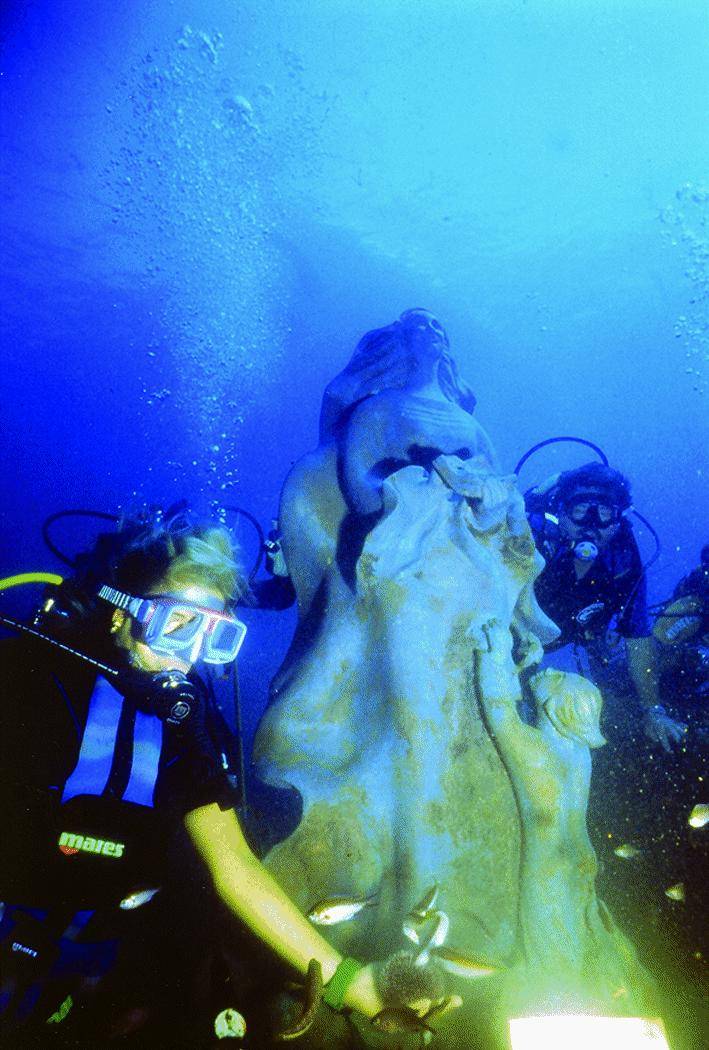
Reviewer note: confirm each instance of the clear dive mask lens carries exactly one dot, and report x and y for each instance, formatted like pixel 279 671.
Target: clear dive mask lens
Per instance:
pixel 593 513
pixel 173 627
pixel 191 632
pixel 223 641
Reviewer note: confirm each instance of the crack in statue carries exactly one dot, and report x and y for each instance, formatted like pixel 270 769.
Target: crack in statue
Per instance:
pixel 414 568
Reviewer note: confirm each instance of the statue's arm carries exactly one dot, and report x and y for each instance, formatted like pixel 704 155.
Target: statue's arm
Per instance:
pixel 310 511
pixel 365 376
pixel 499 693
pixel 335 400
pixel 369 451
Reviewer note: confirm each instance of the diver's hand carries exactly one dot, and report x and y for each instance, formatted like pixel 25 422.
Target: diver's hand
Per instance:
pixel 412 994
pixel 661 729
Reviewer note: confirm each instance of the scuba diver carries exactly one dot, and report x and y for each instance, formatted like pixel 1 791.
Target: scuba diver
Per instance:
pixel 682 629
pixel 111 744
pixel 593 582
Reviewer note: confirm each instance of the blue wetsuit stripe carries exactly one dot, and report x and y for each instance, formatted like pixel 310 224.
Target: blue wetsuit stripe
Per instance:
pixel 29 1000
pixel 147 746
pixel 78 923
pixel 93 768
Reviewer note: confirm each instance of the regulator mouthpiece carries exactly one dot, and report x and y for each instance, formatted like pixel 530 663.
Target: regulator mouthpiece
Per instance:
pixel 586 550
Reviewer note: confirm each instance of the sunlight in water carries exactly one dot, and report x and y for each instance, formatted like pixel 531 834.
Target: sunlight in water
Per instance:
pixel 588 1033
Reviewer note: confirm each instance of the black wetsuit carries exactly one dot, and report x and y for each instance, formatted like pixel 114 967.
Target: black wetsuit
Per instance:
pixel 696 585
pixel 685 676
pixel 612 591
pixel 93 790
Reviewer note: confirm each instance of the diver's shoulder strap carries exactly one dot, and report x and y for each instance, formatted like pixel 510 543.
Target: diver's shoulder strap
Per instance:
pixel 99 750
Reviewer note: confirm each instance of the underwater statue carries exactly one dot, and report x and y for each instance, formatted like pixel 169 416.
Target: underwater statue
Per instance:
pixel 403 541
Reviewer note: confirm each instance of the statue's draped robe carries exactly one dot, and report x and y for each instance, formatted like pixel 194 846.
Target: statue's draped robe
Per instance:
pixel 373 715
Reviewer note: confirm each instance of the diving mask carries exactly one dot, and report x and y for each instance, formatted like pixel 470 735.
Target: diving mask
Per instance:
pixel 172 626
pixel 592 512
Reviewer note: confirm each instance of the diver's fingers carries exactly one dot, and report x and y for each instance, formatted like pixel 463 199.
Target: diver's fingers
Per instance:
pixel 664 731
pixel 671 732
pixel 657 735
pixel 678 730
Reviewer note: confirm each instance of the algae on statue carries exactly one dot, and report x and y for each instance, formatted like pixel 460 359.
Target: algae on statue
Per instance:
pixel 571 951
pixel 403 540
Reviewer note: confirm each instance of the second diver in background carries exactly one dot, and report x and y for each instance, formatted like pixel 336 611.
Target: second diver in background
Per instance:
pixel 593 584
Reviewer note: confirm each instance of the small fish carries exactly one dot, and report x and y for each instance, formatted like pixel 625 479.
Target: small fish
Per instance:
pixel 676 892
pixel 462 965
pixel 436 927
pixel 137 899
pixel 428 901
pixel 620 993
pixel 399 1019
pixel 441 931
pixel 699 817
pixel 437 938
pixel 411 932
pixel 451 1002
pixel 332 910
pixel 627 851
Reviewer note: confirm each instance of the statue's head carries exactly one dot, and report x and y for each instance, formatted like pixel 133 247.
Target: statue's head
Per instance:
pixel 570 703
pixel 423 333
pixel 417 336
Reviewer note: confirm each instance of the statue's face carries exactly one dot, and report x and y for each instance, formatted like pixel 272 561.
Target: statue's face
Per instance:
pixel 425 336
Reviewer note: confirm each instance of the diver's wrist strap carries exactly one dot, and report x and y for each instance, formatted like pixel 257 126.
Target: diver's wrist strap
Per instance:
pixel 342 978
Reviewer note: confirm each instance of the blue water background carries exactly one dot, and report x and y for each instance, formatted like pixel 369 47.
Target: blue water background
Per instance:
pixel 205 204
